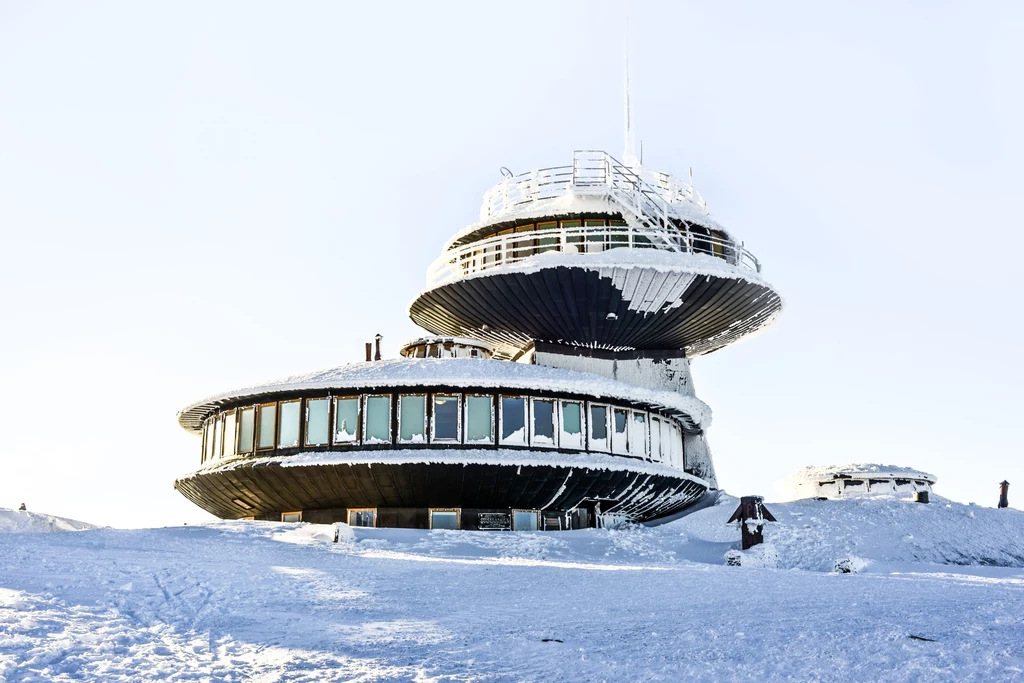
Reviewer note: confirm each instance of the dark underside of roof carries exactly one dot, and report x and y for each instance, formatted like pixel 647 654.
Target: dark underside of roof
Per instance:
pixel 578 306
pixel 269 488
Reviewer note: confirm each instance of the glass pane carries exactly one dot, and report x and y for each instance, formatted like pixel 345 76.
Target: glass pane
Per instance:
pixel 346 420
pixel 412 418
pixel 229 434
pixel 478 419
pixel 513 420
pixel 378 419
pixel 268 418
pixel 218 427
pixel 289 437
pixel 599 429
pixel 543 422
pixel 571 423
pixel 247 421
pixel 525 521
pixel 209 439
pixel 656 439
pixel 638 440
pixel 316 421
pixel 620 422
pixel 446 418
pixel 361 517
pixel 444 520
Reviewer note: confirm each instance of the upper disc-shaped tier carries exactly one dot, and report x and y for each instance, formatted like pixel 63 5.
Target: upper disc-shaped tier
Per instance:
pixel 596 254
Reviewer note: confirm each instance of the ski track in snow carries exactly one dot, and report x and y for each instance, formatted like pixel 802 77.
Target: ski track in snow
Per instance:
pixel 236 601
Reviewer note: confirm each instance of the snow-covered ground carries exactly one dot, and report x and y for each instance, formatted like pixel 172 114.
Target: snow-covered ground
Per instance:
pixel 235 601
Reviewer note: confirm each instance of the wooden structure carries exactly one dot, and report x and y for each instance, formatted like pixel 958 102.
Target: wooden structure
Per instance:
pixel 751 516
pixel 1004 492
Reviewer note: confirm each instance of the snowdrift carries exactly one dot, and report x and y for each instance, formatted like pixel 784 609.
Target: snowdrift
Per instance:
pixel 814 534
pixel 22 522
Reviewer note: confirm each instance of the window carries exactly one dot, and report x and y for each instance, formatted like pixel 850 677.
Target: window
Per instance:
pixel 246 427
pixel 317 421
pixel 218 436
pixel 288 431
pixel 595 243
pixel 445 426
pixel 543 431
pixel 573 238
pixel 599 428
pixel 266 427
pixel 378 420
pixel 513 421
pixel 444 518
pixel 208 442
pixel 412 418
pixel 571 425
pixel 678 450
pixel 669 452
pixel 656 453
pixel 291 516
pixel 362 517
pixel 346 419
pixel 620 427
pixel 479 419
pixel 638 435
pixel 229 434
pixel 525 520
pixel 549 242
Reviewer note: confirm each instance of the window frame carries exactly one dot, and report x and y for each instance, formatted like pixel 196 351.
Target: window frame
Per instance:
pixel 348 517
pixel 291 512
pixel 583 424
pixel 536 513
pixel 493 440
pixel 426 423
pixel 589 445
pixel 613 434
pixel 298 424
pixel 458 517
pixel 218 436
pixel 639 447
pixel 304 417
pixel 334 420
pixel 533 424
pixel 432 418
pixel 259 427
pixel 238 439
pixel 365 399
pixel 230 435
pixel 652 420
pixel 526 420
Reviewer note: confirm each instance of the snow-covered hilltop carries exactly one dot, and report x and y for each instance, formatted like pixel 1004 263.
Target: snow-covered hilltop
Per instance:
pixel 273 601
pixel 26 522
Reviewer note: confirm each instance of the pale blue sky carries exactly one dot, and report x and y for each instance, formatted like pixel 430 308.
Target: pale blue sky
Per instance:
pixel 196 197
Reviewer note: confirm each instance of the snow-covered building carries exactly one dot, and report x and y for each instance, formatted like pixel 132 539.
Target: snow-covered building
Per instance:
pixel 553 389
pixel 857 480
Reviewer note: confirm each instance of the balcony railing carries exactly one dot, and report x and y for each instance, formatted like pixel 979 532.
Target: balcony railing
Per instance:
pixel 502 250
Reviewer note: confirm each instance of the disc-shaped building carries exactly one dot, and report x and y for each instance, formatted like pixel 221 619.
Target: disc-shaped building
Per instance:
pixel 553 390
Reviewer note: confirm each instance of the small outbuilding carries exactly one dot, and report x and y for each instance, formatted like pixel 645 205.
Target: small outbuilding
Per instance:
pixel 857 480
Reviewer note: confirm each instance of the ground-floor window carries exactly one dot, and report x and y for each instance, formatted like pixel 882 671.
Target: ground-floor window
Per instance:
pixel 291 516
pixel 444 518
pixel 362 517
pixel 525 520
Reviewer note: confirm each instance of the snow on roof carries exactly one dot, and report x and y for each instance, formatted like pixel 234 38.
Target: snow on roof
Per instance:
pixel 442 338
pixel 460 373
pixel 572 204
pixel 460 456
pixel 818 473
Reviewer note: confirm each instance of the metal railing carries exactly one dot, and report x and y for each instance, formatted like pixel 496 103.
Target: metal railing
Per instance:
pixel 650 198
pixel 500 250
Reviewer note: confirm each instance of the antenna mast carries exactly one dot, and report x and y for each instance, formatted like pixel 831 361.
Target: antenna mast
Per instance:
pixel 629 155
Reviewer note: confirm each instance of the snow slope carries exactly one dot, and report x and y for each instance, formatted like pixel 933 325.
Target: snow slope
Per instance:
pixel 25 522
pixel 235 601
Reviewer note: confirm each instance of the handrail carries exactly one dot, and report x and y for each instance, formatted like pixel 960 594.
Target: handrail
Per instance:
pixel 649 196
pixel 502 250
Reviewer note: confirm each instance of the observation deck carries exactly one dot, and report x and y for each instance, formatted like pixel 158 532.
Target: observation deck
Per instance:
pixel 597 254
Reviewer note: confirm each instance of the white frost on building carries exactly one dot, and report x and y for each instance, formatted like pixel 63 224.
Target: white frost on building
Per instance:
pixel 855 480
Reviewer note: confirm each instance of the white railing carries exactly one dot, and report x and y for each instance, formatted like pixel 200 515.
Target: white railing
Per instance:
pixel 650 197
pixel 502 250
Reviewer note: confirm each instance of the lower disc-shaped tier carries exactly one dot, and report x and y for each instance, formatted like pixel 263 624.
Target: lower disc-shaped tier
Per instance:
pixel 579 301
pixel 265 488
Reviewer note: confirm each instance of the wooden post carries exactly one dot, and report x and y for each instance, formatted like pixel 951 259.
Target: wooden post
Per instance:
pixel 751 515
pixel 1004 490
pixel 376 355
pixel 369 352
